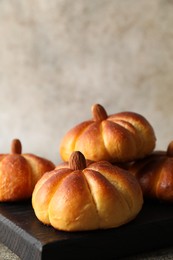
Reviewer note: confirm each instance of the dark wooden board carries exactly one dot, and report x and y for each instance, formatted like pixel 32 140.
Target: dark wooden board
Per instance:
pixel 30 239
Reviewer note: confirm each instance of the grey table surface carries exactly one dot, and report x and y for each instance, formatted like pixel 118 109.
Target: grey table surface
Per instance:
pixel 162 254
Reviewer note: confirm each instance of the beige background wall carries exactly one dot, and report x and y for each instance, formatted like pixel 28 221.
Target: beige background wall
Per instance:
pixel 59 57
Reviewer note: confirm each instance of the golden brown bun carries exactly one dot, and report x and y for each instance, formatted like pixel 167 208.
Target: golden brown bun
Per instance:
pixel 75 197
pixel 20 172
pixel 120 137
pixel 155 174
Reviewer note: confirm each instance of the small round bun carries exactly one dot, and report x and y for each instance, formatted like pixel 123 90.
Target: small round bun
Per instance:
pixel 155 174
pixel 121 137
pixel 20 172
pixel 78 197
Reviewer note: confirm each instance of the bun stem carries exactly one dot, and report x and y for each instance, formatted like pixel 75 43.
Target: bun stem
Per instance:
pixel 77 161
pixel 16 146
pixel 170 149
pixel 99 113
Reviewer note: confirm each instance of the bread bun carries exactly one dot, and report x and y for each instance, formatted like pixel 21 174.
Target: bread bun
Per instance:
pixel 155 174
pixel 119 137
pixel 20 172
pixel 76 197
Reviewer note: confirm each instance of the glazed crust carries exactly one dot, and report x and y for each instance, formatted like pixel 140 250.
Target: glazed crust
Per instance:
pixel 121 137
pixel 155 175
pixel 100 196
pixel 19 174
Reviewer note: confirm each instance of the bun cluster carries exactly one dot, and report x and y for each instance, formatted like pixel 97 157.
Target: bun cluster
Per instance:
pixel 88 191
pixel 108 167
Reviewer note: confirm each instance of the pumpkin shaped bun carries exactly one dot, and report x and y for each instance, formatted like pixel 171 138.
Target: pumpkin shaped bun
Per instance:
pixel 20 172
pixel 155 174
pixel 119 137
pixel 76 197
